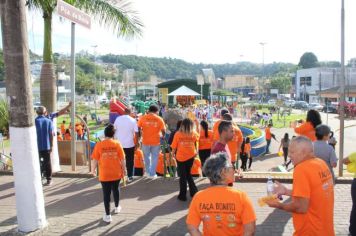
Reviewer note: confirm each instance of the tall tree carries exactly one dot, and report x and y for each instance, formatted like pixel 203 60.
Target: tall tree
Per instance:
pixel 28 187
pixel 308 60
pixel 114 14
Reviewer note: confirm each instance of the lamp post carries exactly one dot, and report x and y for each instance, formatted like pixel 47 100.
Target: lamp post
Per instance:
pixel 263 65
pixel 342 89
pixel 94 48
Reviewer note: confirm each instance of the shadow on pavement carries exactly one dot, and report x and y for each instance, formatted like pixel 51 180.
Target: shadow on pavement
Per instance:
pixel 6 186
pixel 274 224
pixel 90 227
pixel 7 196
pixel 75 203
pixel 178 227
pixel 168 207
pixel 72 186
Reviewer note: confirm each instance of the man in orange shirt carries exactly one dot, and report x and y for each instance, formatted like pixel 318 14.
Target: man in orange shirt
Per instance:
pixel 216 135
pixel 151 126
pixel 235 144
pixel 312 204
pixel 63 128
pixel 138 162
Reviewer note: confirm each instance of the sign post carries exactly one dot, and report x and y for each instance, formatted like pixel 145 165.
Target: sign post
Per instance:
pixel 76 17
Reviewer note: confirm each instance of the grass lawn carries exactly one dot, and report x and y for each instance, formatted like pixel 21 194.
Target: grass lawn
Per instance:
pixel 285 121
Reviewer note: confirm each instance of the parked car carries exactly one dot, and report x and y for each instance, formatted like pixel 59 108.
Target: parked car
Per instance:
pixel 104 101
pixel 315 106
pixel 289 103
pixel 271 102
pixel 301 105
pixel 331 108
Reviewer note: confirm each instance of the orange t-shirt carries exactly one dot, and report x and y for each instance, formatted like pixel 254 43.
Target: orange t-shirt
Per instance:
pixel 306 129
pixel 235 144
pixel 247 148
pixel 185 145
pixel 205 142
pixel 160 164
pixel 151 125
pixel 138 161
pixel 268 133
pixel 222 209
pixel 67 137
pixel 312 179
pixel 63 129
pixel 109 154
pixel 196 168
pixel 79 129
pixel 216 135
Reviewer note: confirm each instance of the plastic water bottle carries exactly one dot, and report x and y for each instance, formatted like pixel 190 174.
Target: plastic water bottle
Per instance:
pixel 270 186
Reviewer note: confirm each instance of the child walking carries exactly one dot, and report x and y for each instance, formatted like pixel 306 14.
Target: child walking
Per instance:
pixel 110 157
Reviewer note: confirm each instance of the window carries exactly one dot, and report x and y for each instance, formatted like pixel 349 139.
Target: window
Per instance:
pixel 350 99
pixel 305 81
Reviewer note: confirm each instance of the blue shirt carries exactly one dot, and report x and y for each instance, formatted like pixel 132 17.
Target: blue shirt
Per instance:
pixel 44 129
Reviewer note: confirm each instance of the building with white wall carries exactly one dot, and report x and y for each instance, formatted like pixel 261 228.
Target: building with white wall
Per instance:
pixel 309 82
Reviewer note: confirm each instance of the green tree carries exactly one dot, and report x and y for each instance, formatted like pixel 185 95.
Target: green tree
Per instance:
pixel 2 66
pixel 282 82
pixel 119 17
pixel 308 60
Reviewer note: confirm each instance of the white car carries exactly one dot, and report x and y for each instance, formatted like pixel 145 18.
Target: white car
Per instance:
pixel 272 102
pixel 315 106
pixel 289 103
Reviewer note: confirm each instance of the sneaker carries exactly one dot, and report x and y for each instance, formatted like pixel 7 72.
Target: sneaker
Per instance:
pixel 129 179
pixel 154 176
pixel 182 198
pixel 117 209
pixel 48 183
pixel 107 218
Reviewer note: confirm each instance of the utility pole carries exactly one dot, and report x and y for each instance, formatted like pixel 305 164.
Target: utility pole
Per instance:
pixel 342 90
pixel 30 209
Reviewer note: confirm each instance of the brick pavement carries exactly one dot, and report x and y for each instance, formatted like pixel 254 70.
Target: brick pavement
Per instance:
pixel 74 207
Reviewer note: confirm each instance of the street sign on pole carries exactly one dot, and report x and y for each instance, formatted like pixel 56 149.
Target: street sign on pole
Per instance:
pixel 73 14
pixel 77 17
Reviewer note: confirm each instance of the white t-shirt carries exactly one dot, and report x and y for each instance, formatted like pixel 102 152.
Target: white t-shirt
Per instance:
pixel 125 127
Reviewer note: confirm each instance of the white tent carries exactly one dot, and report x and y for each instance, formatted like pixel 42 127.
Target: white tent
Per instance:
pixel 183 91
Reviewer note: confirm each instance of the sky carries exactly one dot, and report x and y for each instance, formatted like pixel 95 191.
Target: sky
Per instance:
pixel 224 31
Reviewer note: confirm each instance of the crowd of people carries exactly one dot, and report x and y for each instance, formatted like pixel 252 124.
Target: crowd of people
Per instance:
pixel 138 147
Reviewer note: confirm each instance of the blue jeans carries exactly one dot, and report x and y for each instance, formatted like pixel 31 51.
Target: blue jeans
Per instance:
pixel 151 156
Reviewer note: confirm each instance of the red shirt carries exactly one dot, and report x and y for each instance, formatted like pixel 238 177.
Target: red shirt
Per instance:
pixel 219 147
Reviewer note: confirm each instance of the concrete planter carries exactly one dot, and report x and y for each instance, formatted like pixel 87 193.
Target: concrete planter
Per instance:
pixel 258 145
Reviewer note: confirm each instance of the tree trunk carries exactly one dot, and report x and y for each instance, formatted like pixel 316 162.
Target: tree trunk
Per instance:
pixel 28 187
pixel 48 88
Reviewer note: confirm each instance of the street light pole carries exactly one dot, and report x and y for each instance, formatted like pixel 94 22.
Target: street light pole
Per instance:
pixel 342 89
pixel 94 47
pixel 263 65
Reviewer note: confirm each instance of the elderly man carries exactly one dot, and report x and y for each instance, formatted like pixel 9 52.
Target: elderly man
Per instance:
pixel 44 129
pixel 312 204
pixel 222 209
pixel 125 131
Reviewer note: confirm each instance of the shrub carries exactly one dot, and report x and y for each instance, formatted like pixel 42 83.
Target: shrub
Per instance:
pixel 4 117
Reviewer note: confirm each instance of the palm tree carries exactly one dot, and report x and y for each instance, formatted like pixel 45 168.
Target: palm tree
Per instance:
pixel 115 14
pixel 28 187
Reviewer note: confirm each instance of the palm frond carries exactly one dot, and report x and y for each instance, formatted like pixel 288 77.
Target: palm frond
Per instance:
pixel 43 5
pixel 115 14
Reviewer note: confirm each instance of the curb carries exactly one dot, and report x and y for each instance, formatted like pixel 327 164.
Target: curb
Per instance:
pixel 251 177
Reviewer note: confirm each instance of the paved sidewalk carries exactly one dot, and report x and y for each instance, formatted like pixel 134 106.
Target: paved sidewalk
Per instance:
pixel 149 207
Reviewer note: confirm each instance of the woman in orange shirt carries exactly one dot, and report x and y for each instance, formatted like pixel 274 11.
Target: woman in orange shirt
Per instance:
pixel 184 147
pixel 221 209
pixel 205 141
pixel 245 153
pixel 110 157
pixel 307 128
